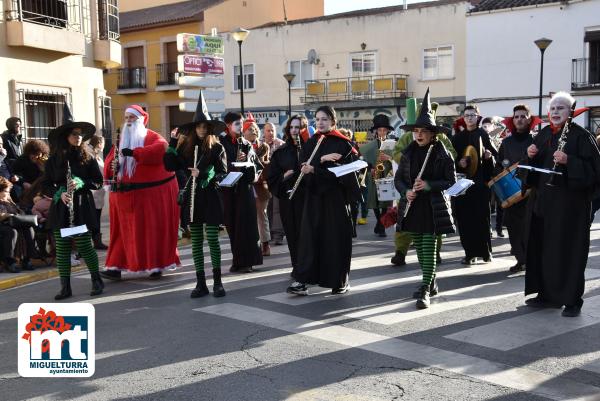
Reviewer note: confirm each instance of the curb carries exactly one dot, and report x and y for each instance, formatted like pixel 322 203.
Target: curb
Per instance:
pixel 33 277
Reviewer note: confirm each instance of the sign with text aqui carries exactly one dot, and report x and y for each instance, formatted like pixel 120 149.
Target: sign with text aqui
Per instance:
pixel 200 68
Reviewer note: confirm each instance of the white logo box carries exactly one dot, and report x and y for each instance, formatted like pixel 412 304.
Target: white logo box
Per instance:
pixel 42 330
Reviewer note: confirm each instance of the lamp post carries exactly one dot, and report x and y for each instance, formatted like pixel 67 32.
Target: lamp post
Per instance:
pixel 289 77
pixel 542 44
pixel 239 35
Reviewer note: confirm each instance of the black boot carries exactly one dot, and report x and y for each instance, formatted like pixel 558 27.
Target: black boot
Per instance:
pixel 201 288
pixel 111 274
pixel 433 290
pixel 97 238
pixel 218 290
pixel 399 259
pixel 97 284
pixel 423 300
pixel 65 289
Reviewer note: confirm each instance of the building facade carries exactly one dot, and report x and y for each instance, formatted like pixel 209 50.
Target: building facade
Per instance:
pixel 363 63
pixel 503 66
pixel 53 52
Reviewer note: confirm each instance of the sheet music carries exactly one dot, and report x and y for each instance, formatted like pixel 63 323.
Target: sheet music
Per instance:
pixel 242 164
pixel 231 179
pixel 70 231
pixel 460 187
pixel 540 170
pixel 388 144
pixel 348 168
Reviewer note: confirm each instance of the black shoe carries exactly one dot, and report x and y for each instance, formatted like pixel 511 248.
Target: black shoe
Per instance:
pixel 65 289
pixel 399 259
pixel 499 233
pixel 519 267
pixel 423 299
pixel 438 259
pixel 12 267
pixel 155 275
pixel 97 239
pixel 201 288
pixel 338 291
pixel 241 269
pixel 26 265
pixel 433 290
pixel 382 233
pixel 541 302
pixel 111 274
pixel 97 284
pixel 468 261
pixel 488 259
pixel 571 311
pixel 218 290
pixel 297 288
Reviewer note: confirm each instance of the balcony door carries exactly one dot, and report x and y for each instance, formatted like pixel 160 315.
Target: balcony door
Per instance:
pixel 595 62
pixel 136 72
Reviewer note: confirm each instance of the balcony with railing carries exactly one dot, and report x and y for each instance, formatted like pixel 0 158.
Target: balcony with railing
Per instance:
pixel 54 25
pixel 585 74
pixel 166 74
pixel 132 79
pixel 107 48
pixel 356 88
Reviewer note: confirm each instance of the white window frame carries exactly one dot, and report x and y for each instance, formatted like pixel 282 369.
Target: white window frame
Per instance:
pixel 363 74
pixel 437 77
pixel 312 72
pixel 233 78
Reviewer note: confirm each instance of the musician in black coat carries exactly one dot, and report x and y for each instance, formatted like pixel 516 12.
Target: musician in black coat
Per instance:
pixel 283 172
pixel 424 210
pixel 200 141
pixel 559 236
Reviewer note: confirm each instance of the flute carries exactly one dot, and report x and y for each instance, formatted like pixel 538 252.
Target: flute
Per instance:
pixel 193 193
pixel 115 184
pixel 70 194
pixel 419 176
pixel 314 152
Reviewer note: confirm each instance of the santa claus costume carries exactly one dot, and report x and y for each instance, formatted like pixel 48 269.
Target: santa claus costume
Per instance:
pixel 144 215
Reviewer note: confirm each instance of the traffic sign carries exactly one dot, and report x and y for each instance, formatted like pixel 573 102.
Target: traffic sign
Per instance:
pixel 202 82
pixel 195 93
pixel 200 44
pixel 196 64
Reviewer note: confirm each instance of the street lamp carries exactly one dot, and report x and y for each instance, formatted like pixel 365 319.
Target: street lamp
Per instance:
pixel 239 35
pixel 289 77
pixel 542 44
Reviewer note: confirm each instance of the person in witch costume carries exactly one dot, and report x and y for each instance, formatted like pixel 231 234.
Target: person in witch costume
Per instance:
pixel 210 168
pixel 372 155
pixel 282 174
pixel 325 243
pixel 424 211
pixel 477 159
pixel 559 230
pixel 67 150
pixel 238 202
pixel 144 215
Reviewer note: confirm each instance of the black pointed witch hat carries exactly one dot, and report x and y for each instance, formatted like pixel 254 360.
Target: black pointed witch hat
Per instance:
pixel 201 116
pixel 87 130
pixel 426 118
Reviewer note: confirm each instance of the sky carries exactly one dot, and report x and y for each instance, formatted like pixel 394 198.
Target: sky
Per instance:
pixel 340 6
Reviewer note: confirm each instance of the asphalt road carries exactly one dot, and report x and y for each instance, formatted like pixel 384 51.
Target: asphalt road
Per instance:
pixel 477 341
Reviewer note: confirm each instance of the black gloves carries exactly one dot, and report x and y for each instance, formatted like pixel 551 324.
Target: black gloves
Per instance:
pixel 127 152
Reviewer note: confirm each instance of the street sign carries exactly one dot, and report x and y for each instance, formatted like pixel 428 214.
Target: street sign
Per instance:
pixel 200 44
pixel 196 64
pixel 212 107
pixel 195 94
pixel 202 82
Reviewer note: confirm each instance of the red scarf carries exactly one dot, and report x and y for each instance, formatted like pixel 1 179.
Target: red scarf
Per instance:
pixel 339 135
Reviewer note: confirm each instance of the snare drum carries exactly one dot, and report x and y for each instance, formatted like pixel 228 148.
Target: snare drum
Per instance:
pixel 386 191
pixel 507 187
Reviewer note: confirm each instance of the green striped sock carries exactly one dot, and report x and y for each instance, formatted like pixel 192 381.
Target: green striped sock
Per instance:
pixel 197 242
pixel 212 235
pixel 87 251
pixel 63 254
pixel 426 245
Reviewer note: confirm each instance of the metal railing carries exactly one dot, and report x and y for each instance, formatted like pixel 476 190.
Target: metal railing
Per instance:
pixel 166 74
pixel 585 73
pixel 356 88
pixel 64 14
pixel 40 111
pixel 132 78
pixel 108 20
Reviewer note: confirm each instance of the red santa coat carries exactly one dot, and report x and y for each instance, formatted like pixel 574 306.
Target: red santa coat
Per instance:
pixel 144 222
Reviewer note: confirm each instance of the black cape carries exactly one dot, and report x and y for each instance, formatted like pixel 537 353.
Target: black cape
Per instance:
pixel 325 245
pixel 240 206
pixel 559 234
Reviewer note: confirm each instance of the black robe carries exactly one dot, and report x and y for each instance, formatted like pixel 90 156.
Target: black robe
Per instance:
pixel 473 208
pixel 240 206
pixel 325 245
pixel 285 158
pixel 208 205
pixel 83 201
pixel 559 235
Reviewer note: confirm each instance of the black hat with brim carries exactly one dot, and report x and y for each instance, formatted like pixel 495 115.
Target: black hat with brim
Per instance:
pixel 201 116
pixel 88 130
pixel 426 118
pixel 381 121
pixel 438 129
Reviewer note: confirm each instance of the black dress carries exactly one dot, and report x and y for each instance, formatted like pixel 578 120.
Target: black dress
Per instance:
pixel 208 204
pixel 559 235
pixel 325 245
pixel 473 208
pixel 83 200
pixel 27 170
pixel 240 206
pixel 285 158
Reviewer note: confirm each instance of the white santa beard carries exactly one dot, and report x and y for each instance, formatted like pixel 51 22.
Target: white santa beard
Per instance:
pixel 132 137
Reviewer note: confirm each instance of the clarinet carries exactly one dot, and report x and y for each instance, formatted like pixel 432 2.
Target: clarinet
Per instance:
pixel 562 141
pixel 419 176
pixel 297 183
pixel 116 165
pixel 193 192
pixel 70 193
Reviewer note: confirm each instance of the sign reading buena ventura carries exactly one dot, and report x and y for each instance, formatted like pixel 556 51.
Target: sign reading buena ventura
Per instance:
pixel 200 44
pixel 196 64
